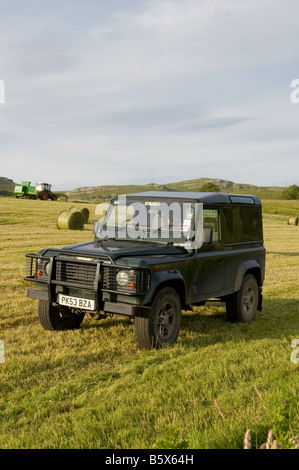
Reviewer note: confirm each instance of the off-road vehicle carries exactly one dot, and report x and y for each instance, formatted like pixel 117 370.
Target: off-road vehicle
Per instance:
pixel 155 254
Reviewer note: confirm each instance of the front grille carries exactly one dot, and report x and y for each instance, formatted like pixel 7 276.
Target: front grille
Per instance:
pixel 139 277
pixel 79 273
pixel 84 275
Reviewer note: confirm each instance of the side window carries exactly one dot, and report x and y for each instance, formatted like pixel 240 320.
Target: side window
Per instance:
pixel 211 220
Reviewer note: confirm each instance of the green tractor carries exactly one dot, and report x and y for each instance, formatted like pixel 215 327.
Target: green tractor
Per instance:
pixel 41 191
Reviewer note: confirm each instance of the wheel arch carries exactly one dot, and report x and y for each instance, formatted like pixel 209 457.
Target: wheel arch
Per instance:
pixel 166 279
pixel 248 267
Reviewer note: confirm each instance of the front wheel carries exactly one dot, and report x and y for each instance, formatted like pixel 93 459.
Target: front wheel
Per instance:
pixel 163 323
pixel 242 305
pixel 51 318
pixel 43 195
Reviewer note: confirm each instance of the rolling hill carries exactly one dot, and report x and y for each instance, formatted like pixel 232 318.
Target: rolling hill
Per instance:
pixel 101 193
pixel 106 192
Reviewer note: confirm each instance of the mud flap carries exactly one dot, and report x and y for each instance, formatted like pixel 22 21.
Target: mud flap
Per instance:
pixel 260 303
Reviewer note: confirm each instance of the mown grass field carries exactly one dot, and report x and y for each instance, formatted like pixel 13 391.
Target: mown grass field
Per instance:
pixel 93 387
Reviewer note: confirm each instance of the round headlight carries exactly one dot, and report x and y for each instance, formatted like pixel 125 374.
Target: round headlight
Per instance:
pixel 122 278
pixel 47 267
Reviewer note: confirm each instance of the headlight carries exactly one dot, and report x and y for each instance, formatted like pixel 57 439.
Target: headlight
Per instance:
pixel 126 279
pixel 47 268
pixel 42 267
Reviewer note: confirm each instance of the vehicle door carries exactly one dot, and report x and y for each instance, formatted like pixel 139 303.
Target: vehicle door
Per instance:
pixel 210 261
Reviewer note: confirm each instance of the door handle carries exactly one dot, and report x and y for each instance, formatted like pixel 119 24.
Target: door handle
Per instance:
pixel 220 262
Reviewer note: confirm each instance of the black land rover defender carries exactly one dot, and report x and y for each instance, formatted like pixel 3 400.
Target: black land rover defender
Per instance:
pixel 155 254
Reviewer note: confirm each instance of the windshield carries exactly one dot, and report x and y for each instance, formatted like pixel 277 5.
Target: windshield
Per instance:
pixel 40 186
pixel 152 220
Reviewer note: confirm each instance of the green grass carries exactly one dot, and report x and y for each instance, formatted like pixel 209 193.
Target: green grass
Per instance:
pixel 93 387
pixel 283 208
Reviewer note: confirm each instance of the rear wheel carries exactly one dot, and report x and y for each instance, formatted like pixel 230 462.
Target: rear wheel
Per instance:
pixel 242 305
pixel 51 318
pixel 164 322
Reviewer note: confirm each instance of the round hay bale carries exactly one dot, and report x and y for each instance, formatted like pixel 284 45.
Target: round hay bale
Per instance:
pixel 84 211
pixel 70 220
pixel 293 220
pixel 101 210
pixel 61 217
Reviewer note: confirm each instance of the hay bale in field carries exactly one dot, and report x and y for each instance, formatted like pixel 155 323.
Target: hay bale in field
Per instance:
pixel 60 218
pixel 68 220
pixel 101 210
pixel 293 220
pixel 84 211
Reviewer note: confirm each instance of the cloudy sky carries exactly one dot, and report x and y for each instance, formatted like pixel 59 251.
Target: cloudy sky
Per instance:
pixel 137 91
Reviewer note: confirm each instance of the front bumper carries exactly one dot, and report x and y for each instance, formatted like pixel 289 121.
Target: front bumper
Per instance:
pixel 87 279
pixel 116 308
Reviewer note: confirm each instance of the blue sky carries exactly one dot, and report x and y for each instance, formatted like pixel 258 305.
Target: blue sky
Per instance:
pixel 128 92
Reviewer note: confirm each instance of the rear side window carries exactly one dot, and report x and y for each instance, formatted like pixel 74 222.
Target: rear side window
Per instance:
pixel 241 223
pixel 241 200
pixel 211 220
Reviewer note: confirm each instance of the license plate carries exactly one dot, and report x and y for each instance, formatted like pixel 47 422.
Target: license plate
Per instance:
pixel 76 302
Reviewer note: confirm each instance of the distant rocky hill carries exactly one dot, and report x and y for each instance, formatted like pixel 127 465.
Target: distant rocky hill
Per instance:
pixel 104 193
pixel 223 185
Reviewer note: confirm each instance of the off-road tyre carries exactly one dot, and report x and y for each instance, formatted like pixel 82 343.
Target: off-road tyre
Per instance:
pixel 43 195
pixel 51 318
pixel 242 305
pixel 164 322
